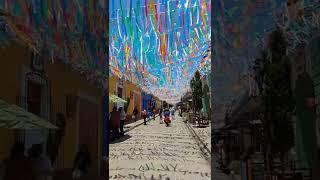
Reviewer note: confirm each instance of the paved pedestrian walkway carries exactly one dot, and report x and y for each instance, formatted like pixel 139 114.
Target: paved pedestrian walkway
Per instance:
pixel 154 151
pixel 132 125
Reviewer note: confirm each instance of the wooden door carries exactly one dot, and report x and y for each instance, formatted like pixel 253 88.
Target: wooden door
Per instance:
pixel 34 98
pixel 34 95
pixel 88 130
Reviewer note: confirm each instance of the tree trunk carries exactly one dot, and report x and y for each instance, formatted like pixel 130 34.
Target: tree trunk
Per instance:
pixel 282 160
pixel 268 139
pixel 269 162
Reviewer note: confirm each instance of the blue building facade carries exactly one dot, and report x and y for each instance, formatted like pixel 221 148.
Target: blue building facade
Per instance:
pixel 148 102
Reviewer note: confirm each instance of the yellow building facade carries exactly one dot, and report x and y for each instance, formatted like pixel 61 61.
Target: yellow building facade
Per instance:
pixel 132 92
pixel 158 103
pixel 127 91
pixel 57 84
pixel 66 82
pixel 112 85
pixel 10 88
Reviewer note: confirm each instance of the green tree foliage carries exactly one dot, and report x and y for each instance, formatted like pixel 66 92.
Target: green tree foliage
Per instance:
pixel 273 75
pixel 196 87
pixel 259 69
pixel 206 97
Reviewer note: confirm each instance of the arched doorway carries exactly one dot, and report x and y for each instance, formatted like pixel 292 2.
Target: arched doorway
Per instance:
pixel 35 99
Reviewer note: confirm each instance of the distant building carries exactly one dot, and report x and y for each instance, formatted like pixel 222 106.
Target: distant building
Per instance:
pixel 147 101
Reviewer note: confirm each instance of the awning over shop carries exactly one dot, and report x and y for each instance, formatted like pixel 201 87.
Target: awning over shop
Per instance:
pixel 116 99
pixel 14 117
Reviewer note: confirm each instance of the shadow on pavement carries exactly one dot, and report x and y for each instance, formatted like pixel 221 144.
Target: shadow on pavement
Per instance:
pixel 121 139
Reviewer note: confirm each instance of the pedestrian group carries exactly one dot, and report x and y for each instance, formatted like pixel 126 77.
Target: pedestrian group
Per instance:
pixel 118 118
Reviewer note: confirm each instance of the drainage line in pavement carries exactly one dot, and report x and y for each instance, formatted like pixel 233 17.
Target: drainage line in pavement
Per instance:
pixel 204 149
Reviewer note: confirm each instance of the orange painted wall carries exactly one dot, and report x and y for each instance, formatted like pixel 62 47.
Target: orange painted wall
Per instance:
pixel 112 89
pixel 132 88
pixel 10 78
pixel 128 88
pixel 62 81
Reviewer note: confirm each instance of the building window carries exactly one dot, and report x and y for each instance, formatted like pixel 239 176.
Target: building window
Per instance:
pixel 34 98
pixel 120 89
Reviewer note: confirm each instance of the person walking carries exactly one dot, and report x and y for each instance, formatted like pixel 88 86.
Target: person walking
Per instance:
pixel 160 115
pixel 115 123
pixel 41 163
pixel 18 166
pixel 154 114
pixel 149 114
pixel 82 162
pixel 180 111
pixel 144 116
pixel 167 117
pixel 123 116
pixel 172 113
pixel 135 114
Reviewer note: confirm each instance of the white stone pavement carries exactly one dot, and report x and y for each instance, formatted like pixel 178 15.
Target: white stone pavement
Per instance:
pixel 132 125
pixel 158 152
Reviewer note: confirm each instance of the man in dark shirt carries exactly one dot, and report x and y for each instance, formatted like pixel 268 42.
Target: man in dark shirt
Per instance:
pixel 167 117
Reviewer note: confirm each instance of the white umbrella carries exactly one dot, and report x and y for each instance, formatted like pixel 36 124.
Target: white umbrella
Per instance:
pixel 15 117
pixel 116 99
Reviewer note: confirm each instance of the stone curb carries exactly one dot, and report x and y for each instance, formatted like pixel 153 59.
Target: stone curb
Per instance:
pixel 204 149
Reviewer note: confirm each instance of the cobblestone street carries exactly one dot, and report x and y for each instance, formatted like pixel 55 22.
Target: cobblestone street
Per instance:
pixel 158 152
